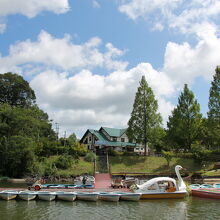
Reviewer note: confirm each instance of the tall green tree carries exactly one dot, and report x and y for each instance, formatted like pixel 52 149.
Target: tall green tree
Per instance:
pixel 183 126
pixel 15 91
pixel 144 116
pixel 213 122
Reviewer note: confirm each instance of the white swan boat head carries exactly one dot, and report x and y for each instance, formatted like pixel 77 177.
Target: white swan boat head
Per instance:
pixel 163 187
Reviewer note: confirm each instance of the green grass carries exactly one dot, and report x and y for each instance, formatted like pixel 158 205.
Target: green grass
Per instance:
pixel 156 165
pixel 82 167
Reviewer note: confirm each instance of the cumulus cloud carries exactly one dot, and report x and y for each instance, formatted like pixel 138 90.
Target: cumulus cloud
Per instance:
pixel 62 53
pixel 92 100
pixel 182 15
pixel 67 87
pixel 183 63
pixel 30 8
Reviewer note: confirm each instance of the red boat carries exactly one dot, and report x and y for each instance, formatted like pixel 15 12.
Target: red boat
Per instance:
pixel 211 193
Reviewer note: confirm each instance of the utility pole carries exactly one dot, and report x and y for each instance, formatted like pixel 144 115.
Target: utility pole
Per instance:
pixel 57 129
pixel 64 138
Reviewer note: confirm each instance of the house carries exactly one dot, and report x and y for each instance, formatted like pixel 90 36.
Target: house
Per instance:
pixel 104 139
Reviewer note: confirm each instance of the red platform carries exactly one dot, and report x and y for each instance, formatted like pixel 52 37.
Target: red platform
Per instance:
pixel 103 180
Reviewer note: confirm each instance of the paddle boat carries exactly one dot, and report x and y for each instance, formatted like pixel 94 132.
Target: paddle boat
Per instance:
pixel 194 186
pixel 8 194
pixel 67 196
pixel 46 195
pixel 162 187
pixel 27 195
pixel 129 196
pixel 210 193
pixel 109 196
pixel 88 196
pixel 206 186
pixel 216 185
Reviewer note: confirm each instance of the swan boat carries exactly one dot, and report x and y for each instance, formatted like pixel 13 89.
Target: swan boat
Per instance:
pixel 27 195
pixel 8 194
pixel 67 196
pixel 162 187
pixel 109 196
pixel 46 195
pixel 88 196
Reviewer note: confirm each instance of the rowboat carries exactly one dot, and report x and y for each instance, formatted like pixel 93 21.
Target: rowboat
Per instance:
pixel 27 195
pixel 162 187
pixel 206 186
pixel 88 196
pixel 109 196
pixel 67 196
pixel 129 196
pixel 8 194
pixel 216 185
pixel 48 196
pixel 207 193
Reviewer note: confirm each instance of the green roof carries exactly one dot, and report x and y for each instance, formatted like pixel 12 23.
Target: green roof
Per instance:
pixel 103 141
pixel 114 132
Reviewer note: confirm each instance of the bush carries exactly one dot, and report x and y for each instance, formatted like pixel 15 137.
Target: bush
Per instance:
pixel 114 153
pixel 90 157
pixel 63 162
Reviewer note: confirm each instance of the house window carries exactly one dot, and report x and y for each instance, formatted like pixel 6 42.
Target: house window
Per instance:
pixel 122 140
pixel 90 138
pixel 114 139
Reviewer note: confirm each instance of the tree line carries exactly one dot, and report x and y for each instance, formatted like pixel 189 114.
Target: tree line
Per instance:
pixel 187 131
pixel 27 139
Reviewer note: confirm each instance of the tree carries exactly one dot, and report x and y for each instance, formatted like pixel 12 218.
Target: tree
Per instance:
pixel 15 91
pixel 213 122
pixel 144 116
pixel 184 123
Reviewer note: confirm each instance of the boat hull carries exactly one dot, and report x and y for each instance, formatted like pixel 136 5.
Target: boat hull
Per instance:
pixel 109 197
pixel 129 196
pixel 47 196
pixel 211 194
pixel 87 196
pixel 8 195
pixel 27 196
pixel 176 195
pixel 66 196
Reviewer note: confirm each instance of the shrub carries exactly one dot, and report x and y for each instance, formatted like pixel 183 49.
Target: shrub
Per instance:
pixel 114 153
pixel 90 157
pixel 63 162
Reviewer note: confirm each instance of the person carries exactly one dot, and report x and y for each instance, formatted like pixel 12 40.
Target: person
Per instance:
pixel 171 187
pixel 84 180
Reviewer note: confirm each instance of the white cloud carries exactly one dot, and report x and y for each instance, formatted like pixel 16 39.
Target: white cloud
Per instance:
pixel 88 99
pixel 62 53
pixel 184 63
pixel 30 8
pixel 95 4
pixel 74 96
pixel 182 15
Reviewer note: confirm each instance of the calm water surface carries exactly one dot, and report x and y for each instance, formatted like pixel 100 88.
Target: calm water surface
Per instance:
pixel 189 208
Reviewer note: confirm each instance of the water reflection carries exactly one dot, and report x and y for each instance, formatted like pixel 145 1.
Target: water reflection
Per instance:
pixel 190 208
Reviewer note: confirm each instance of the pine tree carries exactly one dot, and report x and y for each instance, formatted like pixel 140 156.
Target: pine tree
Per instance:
pixel 183 126
pixel 213 122
pixel 144 116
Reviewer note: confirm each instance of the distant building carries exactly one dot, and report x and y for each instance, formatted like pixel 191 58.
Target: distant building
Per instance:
pixel 101 140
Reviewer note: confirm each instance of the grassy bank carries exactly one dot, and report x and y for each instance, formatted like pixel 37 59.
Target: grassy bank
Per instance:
pixel 156 165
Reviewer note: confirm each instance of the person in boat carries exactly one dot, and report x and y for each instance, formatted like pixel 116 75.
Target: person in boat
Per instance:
pixel 84 180
pixel 171 187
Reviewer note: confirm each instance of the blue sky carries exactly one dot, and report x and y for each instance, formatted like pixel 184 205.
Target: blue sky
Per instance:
pixel 85 58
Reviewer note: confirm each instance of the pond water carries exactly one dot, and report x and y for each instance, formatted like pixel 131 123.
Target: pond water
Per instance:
pixel 188 208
